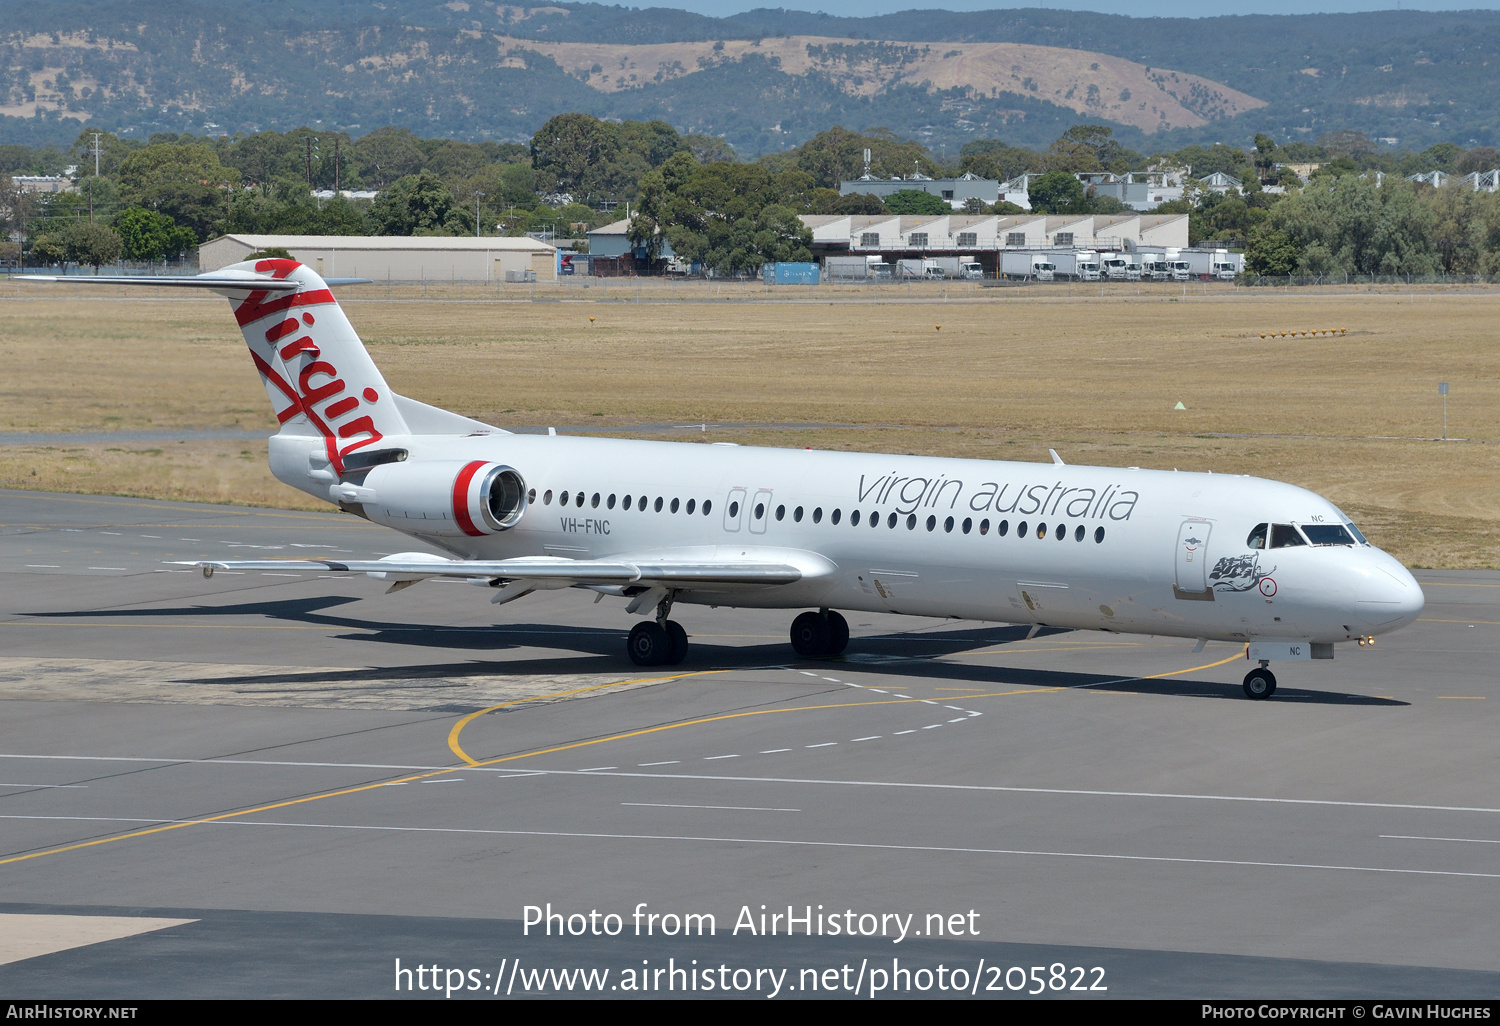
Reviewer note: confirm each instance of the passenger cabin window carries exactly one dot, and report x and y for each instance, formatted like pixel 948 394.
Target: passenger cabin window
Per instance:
pixel 1285 536
pixel 1257 539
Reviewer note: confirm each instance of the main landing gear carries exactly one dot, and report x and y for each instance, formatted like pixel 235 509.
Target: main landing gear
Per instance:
pixel 1261 683
pixel 819 635
pixel 659 642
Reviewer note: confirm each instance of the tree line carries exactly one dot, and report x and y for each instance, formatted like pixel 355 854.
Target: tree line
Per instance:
pixel 157 199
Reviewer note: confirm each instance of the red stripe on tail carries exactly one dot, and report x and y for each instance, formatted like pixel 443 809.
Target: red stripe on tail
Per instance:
pixel 256 305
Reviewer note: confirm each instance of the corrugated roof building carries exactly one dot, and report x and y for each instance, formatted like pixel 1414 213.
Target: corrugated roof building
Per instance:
pixel 395 257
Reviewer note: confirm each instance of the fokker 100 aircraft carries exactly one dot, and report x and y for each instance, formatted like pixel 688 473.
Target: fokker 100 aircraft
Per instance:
pixel 1204 556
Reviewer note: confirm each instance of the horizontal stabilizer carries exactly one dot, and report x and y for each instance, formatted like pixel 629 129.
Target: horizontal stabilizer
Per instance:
pixel 195 281
pixel 248 282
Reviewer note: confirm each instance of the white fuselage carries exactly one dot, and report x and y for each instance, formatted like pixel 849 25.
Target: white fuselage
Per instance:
pixel 1125 550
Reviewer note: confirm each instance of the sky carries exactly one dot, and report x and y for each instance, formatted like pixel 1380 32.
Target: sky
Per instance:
pixel 1155 8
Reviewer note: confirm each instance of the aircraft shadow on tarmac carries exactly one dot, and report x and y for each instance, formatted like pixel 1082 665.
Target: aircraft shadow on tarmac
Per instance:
pixel 600 650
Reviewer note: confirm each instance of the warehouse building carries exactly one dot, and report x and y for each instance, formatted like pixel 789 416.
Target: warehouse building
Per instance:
pixel 397 258
pixel 894 237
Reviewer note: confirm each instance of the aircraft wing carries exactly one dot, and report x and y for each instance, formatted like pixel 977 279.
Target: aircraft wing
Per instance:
pixel 555 570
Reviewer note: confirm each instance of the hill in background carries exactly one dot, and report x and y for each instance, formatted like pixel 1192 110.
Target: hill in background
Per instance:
pixel 764 80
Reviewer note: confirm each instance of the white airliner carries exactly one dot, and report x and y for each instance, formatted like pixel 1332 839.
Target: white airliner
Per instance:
pixel 1204 556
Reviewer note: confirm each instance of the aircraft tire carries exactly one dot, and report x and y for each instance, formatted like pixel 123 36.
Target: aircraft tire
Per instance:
pixel 677 643
pixel 810 635
pixel 1260 684
pixel 838 633
pixel 648 644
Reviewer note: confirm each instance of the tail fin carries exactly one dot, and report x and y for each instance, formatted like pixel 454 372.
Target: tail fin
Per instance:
pixel 317 373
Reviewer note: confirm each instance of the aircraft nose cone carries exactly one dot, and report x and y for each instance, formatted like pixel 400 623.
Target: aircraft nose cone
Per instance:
pixel 1387 596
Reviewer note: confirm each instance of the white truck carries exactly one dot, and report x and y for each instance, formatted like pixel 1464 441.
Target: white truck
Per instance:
pixel 1077 265
pixel 1164 265
pixel 1026 265
pixel 952 267
pixel 1120 267
pixel 1211 264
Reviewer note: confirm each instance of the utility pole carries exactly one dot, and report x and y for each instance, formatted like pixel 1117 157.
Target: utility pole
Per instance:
pixel 309 141
pixel 478 196
pixel 336 165
pixel 94 179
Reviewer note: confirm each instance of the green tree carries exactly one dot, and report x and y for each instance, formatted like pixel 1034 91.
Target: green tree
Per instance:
pixel 1057 192
pixel 708 148
pixel 574 153
pixel 420 205
pixel 1271 251
pixel 184 181
pixel 722 215
pixel 1089 148
pixel 47 249
pixel 992 158
pixel 916 201
pixel 151 235
pixel 389 154
pixel 91 244
pixel 1351 225
pixel 837 156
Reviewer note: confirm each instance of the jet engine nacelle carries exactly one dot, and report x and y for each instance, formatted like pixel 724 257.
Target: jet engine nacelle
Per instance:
pixel 445 497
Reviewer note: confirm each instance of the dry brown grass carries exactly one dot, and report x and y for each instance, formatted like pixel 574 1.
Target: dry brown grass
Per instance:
pixel 1008 374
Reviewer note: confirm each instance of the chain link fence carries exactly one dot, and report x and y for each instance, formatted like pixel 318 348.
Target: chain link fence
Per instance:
pixel 1290 280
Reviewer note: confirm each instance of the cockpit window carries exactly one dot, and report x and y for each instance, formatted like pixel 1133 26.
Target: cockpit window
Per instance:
pixel 1355 531
pixel 1285 536
pixel 1257 539
pixel 1327 534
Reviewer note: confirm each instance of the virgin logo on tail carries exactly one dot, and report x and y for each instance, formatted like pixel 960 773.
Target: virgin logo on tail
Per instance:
pixel 319 391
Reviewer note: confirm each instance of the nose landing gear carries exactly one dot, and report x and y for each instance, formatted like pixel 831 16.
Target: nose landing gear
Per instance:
pixel 820 635
pixel 1261 683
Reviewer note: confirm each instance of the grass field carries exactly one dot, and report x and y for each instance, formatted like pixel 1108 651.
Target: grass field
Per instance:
pixel 1001 374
